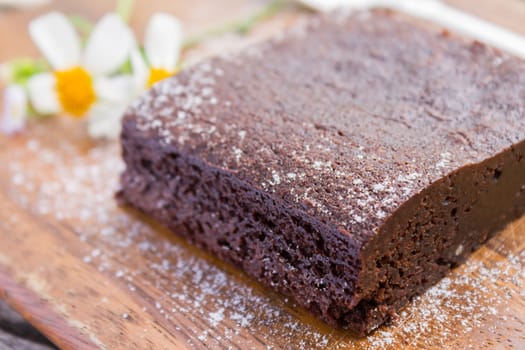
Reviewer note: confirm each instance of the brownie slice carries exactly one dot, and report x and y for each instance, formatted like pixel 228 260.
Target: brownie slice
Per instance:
pixel 349 163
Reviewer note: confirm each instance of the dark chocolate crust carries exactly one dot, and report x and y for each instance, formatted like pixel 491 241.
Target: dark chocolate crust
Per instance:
pixel 350 163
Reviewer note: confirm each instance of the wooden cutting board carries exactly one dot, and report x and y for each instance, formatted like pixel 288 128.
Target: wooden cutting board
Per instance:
pixel 89 274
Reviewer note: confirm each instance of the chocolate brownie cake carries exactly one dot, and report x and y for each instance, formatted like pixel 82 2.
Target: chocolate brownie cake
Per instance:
pixel 349 163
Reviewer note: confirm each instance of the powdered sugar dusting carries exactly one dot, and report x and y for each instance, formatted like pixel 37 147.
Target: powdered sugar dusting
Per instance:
pixel 375 150
pixel 473 302
pixel 178 103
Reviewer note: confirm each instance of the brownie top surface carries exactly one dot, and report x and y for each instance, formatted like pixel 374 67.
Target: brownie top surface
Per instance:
pixel 345 117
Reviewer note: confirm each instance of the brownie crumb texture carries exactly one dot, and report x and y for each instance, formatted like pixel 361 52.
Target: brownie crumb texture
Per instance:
pixel 350 163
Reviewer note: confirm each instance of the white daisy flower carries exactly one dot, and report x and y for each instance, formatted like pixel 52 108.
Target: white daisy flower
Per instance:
pixel 79 84
pixel 15 110
pixel 162 46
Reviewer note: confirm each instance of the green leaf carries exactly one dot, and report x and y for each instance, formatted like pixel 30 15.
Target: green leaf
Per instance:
pixel 22 69
pixel 126 68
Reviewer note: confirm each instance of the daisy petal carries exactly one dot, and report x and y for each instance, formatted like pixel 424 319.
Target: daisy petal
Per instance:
pixel 163 41
pixel 56 38
pixel 116 89
pixel 5 72
pixel 105 120
pixel 140 71
pixel 42 94
pixel 15 109
pixel 108 47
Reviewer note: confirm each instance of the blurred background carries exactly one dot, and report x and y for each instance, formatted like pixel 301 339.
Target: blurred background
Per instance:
pixel 14 39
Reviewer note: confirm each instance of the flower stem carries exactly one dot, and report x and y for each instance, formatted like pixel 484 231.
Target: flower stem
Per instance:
pixel 241 26
pixel 82 24
pixel 125 8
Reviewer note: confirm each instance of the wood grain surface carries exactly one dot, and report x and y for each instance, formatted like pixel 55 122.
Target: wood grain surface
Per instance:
pixel 90 274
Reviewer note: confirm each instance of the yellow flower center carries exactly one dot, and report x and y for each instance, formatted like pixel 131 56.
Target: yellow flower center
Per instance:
pixel 156 75
pixel 75 91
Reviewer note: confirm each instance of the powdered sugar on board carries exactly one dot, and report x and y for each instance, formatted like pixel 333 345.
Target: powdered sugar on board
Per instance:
pixel 224 305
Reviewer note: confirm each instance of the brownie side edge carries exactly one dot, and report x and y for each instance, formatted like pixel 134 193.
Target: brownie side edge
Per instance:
pixel 280 246
pixel 437 229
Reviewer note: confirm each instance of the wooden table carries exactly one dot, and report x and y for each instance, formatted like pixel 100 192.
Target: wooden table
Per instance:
pixel 89 274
